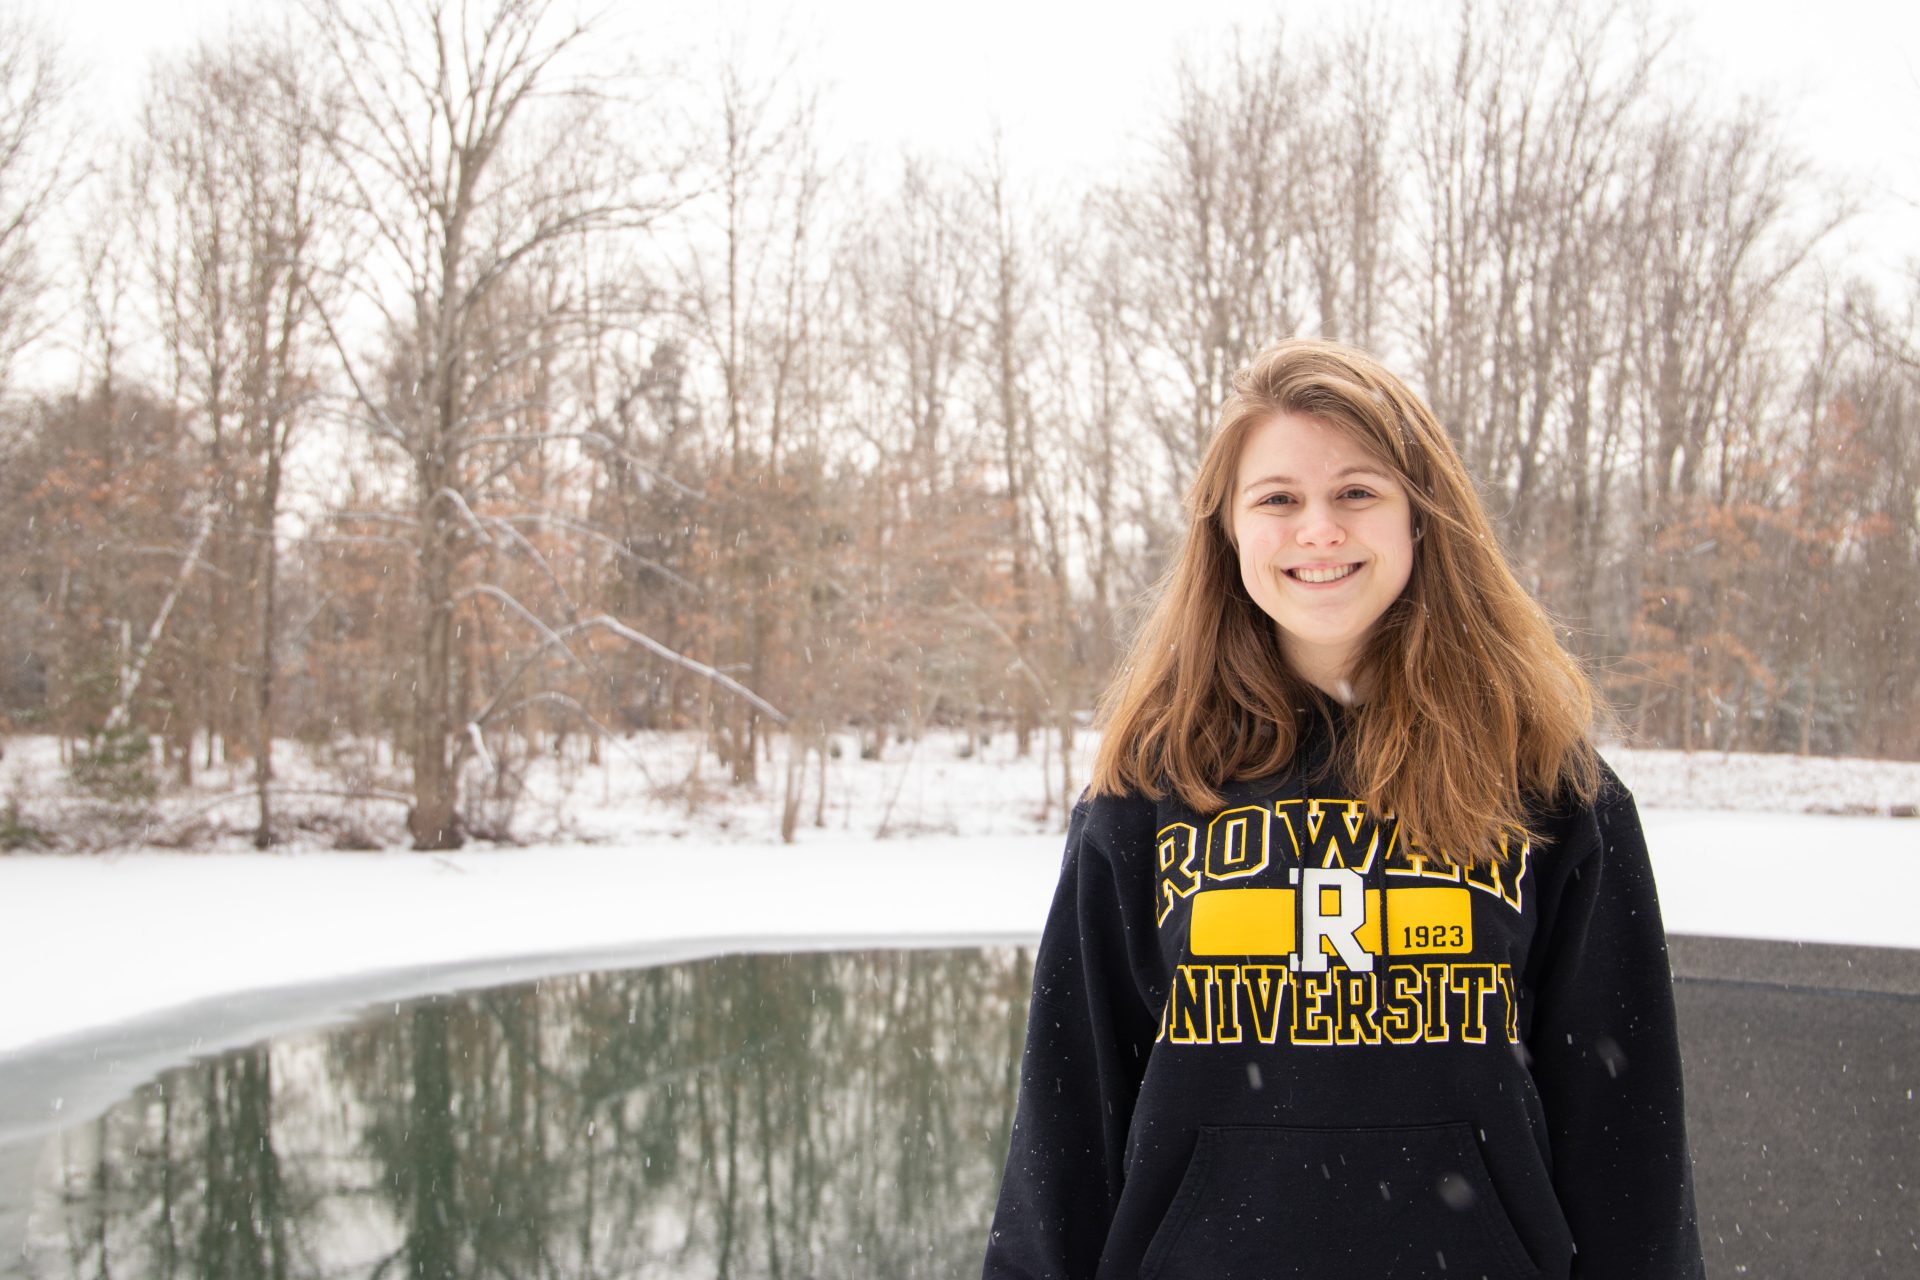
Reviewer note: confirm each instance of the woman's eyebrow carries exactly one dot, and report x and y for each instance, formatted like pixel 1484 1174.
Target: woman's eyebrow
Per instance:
pixel 1343 473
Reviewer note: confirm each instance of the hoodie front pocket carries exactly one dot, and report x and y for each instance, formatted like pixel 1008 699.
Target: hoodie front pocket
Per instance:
pixel 1262 1202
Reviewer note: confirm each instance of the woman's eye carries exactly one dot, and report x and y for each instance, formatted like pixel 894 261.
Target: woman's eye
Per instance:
pixel 1357 492
pixel 1276 499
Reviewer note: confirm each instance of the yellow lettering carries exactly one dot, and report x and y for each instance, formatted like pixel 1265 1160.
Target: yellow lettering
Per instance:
pixel 1226 1017
pixel 1192 1013
pixel 1473 981
pixel 1340 834
pixel 1436 993
pixel 1266 988
pixel 1311 1023
pixel 1178 876
pixel 1401 1023
pixel 1237 843
pixel 1409 859
pixel 1513 1005
pixel 1355 1021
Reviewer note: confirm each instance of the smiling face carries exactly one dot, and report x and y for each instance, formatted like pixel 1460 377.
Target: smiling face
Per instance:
pixel 1325 539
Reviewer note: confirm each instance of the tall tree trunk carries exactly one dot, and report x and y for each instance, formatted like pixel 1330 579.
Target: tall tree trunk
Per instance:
pixel 433 821
pixel 264 674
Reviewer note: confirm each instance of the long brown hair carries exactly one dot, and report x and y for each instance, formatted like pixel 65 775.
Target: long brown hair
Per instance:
pixel 1472 705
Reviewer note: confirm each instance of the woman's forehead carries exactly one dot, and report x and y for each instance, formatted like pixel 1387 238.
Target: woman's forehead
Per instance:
pixel 1292 448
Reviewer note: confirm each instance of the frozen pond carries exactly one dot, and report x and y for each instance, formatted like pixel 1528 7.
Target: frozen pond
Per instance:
pixel 840 1114
pixel 822 1114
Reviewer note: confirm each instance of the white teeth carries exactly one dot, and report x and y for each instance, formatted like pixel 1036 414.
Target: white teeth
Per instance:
pixel 1324 575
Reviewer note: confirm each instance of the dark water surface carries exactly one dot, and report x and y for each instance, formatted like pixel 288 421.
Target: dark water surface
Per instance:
pixel 824 1114
pixel 845 1114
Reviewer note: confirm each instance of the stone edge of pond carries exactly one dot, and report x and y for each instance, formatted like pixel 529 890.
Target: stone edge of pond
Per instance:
pixel 1795 966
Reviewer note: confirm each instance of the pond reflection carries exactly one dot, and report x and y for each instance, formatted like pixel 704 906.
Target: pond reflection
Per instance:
pixel 830 1114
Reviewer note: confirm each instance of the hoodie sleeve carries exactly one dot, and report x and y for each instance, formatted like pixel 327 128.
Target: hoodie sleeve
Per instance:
pixel 1607 1059
pixel 1088 1035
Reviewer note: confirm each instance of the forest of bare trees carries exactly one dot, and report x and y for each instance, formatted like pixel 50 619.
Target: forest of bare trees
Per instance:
pixel 446 397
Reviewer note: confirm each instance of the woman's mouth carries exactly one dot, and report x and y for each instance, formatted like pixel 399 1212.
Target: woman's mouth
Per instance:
pixel 1319 574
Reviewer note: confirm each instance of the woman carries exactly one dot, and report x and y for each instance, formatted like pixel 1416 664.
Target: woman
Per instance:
pixel 1355 967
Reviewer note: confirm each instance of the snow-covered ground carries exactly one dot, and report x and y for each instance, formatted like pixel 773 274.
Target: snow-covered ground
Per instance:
pixel 665 786
pixel 660 785
pixel 1749 846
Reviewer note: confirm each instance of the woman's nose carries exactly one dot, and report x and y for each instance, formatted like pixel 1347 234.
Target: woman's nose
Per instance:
pixel 1318 527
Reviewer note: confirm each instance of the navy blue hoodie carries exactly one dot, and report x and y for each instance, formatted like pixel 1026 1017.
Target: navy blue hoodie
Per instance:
pixel 1272 1041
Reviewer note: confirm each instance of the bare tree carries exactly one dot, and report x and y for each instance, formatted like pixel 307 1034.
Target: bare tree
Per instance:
pixel 1349 197
pixel 36 166
pixel 749 281
pixel 1211 236
pixel 1722 233
pixel 475 145
pixel 1522 113
pixel 1011 345
pixel 904 307
pixel 236 185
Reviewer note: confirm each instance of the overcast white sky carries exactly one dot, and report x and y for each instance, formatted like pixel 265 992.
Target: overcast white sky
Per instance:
pixel 1072 81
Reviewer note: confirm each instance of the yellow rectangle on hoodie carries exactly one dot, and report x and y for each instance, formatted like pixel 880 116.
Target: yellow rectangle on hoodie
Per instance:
pixel 1264 922
pixel 1243 922
pixel 1429 921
